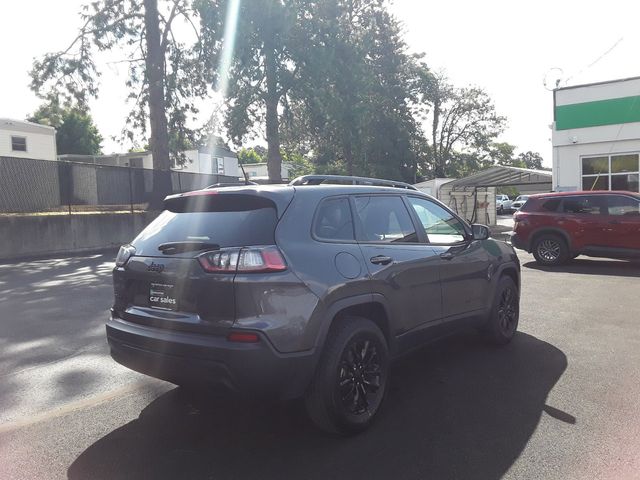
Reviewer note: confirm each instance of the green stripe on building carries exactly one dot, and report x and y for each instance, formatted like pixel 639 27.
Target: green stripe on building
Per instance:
pixel 601 112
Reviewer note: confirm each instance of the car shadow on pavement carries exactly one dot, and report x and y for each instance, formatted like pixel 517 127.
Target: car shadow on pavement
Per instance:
pixel 458 409
pixel 586 266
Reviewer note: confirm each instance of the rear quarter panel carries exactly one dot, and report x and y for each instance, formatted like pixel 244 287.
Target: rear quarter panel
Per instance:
pixel 317 265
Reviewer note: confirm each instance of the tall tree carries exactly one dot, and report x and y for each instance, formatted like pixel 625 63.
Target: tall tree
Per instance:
pixel 164 74
pixel 75 131
pixel 263 68
pixel 350 109
pixel 501 153
pixel 462 118
pixel 531 160
pixel 252 155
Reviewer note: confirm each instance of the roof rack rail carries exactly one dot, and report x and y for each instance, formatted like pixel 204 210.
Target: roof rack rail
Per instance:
pixel 230 184
pixel 348 180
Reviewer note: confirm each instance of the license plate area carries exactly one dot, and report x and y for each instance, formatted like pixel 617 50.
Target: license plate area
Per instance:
pixel 162 296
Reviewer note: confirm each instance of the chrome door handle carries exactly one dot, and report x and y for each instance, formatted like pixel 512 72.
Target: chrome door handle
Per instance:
pixel 381 260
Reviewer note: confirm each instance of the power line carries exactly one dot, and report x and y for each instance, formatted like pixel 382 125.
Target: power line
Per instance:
pixel 607 52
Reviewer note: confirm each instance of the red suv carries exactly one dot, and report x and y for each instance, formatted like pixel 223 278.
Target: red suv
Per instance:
pixel 556 227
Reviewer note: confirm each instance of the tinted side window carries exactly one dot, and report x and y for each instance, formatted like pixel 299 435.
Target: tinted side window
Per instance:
pixel 384 219
pixel 551 205
pixel 333 220
pixel 619 205
pixel 440 226
pixel 584 205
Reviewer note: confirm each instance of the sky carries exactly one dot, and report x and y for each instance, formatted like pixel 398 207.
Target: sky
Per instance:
pixel 507 48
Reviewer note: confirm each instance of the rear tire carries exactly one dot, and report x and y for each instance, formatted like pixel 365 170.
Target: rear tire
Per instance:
pixel 550 249
pixel 351 378
pixel 505 312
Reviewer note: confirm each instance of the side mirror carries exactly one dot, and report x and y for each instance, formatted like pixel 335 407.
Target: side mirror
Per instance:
pixel 480 232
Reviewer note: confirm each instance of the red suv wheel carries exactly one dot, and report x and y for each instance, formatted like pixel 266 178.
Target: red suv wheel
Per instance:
pixel 549 249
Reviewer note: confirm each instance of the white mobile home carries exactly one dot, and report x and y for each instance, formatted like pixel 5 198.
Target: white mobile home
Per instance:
pixel 211 160
pixel 22 139
pixel 258 172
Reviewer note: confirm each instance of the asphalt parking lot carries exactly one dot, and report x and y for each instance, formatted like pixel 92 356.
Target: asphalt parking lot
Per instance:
pixel 561 401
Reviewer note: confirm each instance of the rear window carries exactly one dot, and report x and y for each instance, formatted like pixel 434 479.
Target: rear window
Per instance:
pixel 333 220
pixel 226 228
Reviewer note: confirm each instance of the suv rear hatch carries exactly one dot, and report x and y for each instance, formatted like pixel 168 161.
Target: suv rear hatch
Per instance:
pixel 180 270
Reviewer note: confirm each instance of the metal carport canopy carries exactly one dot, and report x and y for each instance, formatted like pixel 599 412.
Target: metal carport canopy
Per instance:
pixel 499 176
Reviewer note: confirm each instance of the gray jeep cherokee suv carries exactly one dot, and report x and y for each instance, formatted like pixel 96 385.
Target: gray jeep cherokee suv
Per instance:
pixel 305 291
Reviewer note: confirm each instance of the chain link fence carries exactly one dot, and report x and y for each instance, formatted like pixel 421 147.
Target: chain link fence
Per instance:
pixel 44 186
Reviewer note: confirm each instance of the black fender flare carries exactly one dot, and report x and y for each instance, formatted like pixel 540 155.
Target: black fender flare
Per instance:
pixel 495 278
pixel 347 302
pixel 509 265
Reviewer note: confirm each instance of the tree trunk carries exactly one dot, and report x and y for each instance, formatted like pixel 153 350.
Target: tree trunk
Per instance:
pixel 274 159
pixel 157 109
pixel 348 156
pixel 438 167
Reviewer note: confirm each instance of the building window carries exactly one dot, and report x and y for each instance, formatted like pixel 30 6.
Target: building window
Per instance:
pixel 219 165
pixel 611 172
pixel 19 144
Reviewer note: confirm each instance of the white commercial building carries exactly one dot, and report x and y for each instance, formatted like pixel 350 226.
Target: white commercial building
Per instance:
pixel 22 139
pixel 596 136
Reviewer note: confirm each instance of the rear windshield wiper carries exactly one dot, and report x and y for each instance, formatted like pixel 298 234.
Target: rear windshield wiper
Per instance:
pixel 170 248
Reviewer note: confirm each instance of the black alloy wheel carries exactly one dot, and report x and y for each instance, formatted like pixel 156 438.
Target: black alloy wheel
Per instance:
pixel 505 313
pixel 359 377
pixel 508 310
pixel 351 378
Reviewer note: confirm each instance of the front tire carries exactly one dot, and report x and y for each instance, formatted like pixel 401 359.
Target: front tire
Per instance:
pixel 505 312
pixel 550 249
pixel 351 378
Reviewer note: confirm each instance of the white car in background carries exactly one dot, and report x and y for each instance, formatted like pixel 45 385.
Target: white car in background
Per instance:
pixel 503 204
pixel 519 202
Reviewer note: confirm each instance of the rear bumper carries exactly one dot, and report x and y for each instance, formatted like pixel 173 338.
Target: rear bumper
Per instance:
pixel 255 369
pixel 519 243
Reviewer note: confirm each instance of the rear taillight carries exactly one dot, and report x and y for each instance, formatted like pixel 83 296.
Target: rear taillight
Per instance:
pixel 261 259
pixel 246 260
pixel 520 219
pixel 124 254
pixel 220 261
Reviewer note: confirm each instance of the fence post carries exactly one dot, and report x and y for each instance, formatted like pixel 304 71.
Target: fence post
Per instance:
pixel 68 183
pixel 130 190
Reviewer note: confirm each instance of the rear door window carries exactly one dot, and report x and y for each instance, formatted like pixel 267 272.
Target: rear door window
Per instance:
pixel 333 220
pixel 584 205
pixel 384 219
